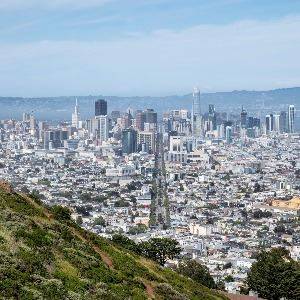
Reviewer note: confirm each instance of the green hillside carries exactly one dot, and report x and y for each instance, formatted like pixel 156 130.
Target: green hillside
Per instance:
pixel 45 255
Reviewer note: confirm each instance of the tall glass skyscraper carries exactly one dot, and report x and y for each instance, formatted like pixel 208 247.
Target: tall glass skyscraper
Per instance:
pixel 196 102
pixel 100 108
pixel 212 116
pixel 269 123
pixel 243 118
pixel 129 141
pixel 196 113
pixel 283 121
pixel 228 135
pixel 291 118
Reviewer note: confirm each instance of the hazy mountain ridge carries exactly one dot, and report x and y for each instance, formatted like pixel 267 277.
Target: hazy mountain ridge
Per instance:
pixel 60 108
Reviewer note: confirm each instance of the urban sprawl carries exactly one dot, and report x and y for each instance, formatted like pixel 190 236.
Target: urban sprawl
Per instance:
pixel 223 185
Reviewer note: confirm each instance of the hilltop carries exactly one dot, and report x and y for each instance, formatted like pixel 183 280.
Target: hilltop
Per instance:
pixel 45 255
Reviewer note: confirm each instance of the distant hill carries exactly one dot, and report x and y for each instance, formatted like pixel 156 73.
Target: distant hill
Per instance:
pixel 60 108
pixel 45 255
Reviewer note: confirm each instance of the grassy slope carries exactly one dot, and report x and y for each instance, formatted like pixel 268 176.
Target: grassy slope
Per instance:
pixel 43 258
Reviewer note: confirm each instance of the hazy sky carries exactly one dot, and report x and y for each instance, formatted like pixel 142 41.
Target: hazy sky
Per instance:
pixel 147 47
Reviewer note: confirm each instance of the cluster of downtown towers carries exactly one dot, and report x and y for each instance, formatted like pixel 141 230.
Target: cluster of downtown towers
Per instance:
pixel 138 129
pixel 138 134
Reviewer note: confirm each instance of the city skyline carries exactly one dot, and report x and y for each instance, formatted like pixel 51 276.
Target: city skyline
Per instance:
pixel 149 149
pixel 221 185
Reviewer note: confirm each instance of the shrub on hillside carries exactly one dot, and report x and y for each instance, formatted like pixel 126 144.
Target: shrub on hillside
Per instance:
pixel 61 213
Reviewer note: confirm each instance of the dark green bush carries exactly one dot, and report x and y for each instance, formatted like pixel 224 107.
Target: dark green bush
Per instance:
pixel 61 213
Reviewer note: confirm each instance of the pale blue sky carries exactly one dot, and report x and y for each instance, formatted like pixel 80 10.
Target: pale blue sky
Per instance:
pixel 147 47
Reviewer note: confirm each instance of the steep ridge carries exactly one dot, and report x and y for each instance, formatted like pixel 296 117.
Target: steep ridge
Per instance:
pixel 45 255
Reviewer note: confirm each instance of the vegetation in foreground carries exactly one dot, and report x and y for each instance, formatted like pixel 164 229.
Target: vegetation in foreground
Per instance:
pixel 275 275
pixel 45 255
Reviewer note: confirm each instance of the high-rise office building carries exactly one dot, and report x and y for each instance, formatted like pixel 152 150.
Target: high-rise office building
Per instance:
pixel 283 121
pixel 42 125
pixel 256 122
pixel 32 124
pixel 212 116
pixel 228 135
pixel 211 109
pixel 269 123
pixel 76 116
pixel 126 121
pixel 99 125
pixel 196 102
pixel 148 116
pixel 100 128
pixel 140 119
pixel 276 123
pixel 115 114
pixel 243 118
pixel 151 116
pixel 146 140
pixel 130 111
pixel 54 138
pixel 250 122
pixel 47 138
pixel 100 108
pixel 177 114
pixel 129 141
pixel 176 143
pixel 196 114
pixel 291 118
pixel 26 117
pixel 220 130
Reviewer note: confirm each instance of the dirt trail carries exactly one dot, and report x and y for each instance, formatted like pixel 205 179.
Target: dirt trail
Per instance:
pixel 105 257
pixel 149 290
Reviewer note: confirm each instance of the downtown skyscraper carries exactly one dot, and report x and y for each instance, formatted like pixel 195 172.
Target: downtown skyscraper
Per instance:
pixel 196 113
pixel 98 126
pixel 76 116
pixel 100 108
pixel 291 119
